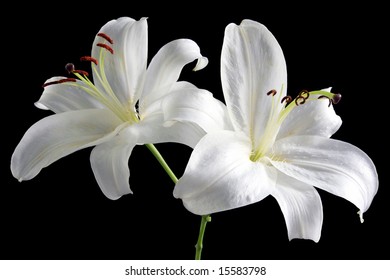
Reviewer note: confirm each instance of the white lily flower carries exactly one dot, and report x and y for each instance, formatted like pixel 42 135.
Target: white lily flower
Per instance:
pixel 278 146
pixel 122 108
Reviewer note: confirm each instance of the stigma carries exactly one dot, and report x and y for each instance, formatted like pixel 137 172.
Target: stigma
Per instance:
pixel 104 92
pixel 278 113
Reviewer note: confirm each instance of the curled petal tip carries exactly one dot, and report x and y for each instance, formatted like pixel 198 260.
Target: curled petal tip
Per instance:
pixel 202 63
pixel 40 106
pixel 360 213
pixel 328 89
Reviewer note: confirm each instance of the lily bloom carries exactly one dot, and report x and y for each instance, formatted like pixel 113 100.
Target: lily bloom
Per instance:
pixel 121 108
pixel 279 146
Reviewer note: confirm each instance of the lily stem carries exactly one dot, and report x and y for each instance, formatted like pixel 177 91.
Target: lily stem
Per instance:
pixel 205 219
pixel 162 161
pixel 199 244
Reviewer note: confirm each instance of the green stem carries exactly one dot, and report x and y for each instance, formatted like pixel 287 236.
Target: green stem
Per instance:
pixel 163 163
pixel 205 219
pixel 199 244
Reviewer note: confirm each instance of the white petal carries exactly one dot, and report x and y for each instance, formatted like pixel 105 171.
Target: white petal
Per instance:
pixel 220 176
pixel 335 166
pixel 201 63
pixel 196 106
pixel 66 97
pixel 126 68
pixel 156 106
pixel 252 64
pixel 110 164
pixel 59 135
pixel 312 118
pixel 301 206
pixel 165 68
pixel 151 130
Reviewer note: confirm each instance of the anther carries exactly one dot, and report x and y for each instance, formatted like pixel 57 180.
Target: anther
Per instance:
pixel 69 67
pixel 82 72
pixel 89 58
pixel 59 82
pixel 300 100
pixel 324 96
pixel 106 47
pixel 304 94
pixel 272 92
pixel 105 36
pixel 287 98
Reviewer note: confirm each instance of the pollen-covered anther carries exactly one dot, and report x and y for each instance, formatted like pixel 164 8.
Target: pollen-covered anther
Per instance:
pixel 286 99
pixel 334 100
pixel 324 96
pixel 105 47
pixel 272 92
pixel 304 94
pixel 59 82
pixel 302 97
pixel 81 72
pixel 105 36
pixel 300 100
pixel 90 59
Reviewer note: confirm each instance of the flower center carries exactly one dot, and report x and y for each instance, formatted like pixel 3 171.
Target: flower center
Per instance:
pixel 104 93
pixel 279 113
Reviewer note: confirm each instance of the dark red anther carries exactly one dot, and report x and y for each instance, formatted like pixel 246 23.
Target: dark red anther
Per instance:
pixel 82 72
pixel 69 67
pixel 300 100
pixel 106 47
pixel 304 94
pixel 89 58
pixel 105 36
pixel 287 98
pixel 59 82
pixel 324 96
pixel 272 92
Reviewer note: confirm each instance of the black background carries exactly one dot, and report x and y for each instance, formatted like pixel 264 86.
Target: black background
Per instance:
pixel 62 214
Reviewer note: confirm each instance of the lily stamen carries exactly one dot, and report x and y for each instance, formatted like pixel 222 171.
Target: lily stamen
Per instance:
pixel 304 94
pixel 90 59
pixel 272 92
pixel 334 99
pixel 105 47
pixel 300 100
pixel 59 82
pixel 287 98
pixel 82 72
pixel 105 36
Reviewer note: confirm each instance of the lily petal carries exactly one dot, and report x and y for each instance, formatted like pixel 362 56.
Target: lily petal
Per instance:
pixel 165 68
pixel 311 118
pixel 220 176
pixel 151 130
pixel 59 135
pixel 301 206
pixel 197 106
pixel 110 164
pixel 252 64
pixel 66 97
pixel 335 166
pixel 126 68
pixel 156 106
